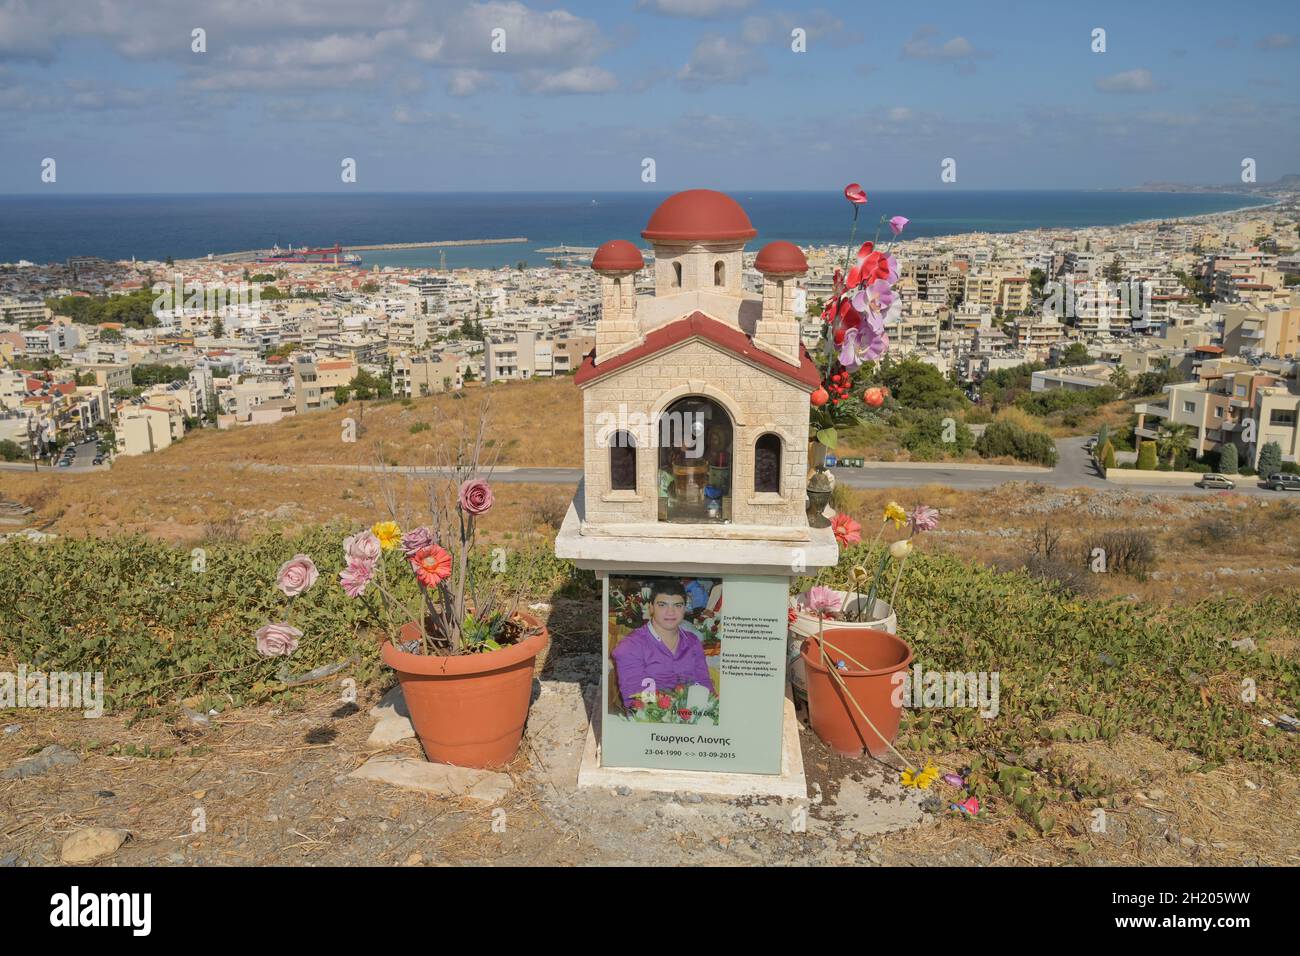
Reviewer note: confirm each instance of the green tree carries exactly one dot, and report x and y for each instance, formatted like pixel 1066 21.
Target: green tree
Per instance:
pixel 1037 279
pixel 1147 456
pixel 1121 379
pixel 1075 354
pixel 1172 439
pixel 342 395
pixel 918 385
pixel 1008 439
pixel 1228 464
pixel 1270 459
pixel 1103 437
pixel 935 435
pixel 1108 456
pixel 11 451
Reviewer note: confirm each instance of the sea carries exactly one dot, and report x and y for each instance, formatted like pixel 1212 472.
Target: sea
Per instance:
pixel 51 229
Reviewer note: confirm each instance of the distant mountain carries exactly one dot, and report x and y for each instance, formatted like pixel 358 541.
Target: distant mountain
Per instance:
pixel 1288 183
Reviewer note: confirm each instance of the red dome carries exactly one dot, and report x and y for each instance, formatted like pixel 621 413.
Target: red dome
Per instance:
pixel 617 255
pixel 781 257
pixel 705 215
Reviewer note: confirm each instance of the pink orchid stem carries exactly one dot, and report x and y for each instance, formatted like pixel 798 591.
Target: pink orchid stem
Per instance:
pixel 853 234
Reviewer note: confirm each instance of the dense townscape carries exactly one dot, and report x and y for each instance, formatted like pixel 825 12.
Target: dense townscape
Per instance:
pixel 132 355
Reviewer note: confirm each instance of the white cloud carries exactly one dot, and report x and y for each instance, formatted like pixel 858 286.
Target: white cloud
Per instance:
pixel 579 79
pixel 695 9
pixel 922 46
pixel 720 60
pixel 1130 81
pixel 469 82
pixel 1276 41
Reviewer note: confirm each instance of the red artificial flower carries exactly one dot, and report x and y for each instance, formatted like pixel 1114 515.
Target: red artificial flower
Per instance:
pixel 819 397
pixel 792 616
pixel 432 565
pixel 679 688
pixel 875 396
pixel 664 702
pixel 638 704
pixel 684 713
pixel 847 531
pixel 855 194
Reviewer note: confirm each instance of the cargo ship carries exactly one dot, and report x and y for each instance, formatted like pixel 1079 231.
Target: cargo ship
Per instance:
pixel 333 255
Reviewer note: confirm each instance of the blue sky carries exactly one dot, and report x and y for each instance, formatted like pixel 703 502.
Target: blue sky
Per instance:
pixel 585 91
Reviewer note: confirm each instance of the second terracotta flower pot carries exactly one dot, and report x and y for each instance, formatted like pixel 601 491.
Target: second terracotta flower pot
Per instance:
pixel 832 715
pixel 468 710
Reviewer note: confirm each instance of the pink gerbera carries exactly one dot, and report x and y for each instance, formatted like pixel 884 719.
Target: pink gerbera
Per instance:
pixel 847 531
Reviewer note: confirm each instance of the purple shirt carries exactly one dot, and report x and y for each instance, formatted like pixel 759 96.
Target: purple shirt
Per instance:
pixel 641 654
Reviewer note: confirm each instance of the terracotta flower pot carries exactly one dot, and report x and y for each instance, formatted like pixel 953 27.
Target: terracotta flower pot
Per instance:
pixel 468 710
pixel 833 717
pixel 805 624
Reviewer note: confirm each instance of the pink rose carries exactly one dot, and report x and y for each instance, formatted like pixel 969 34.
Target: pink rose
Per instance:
pixel 296 575
pixel 355 577
pixel 276 640
pixel 363 547
pixel 898 224
pixel 822 600
pixel 416 540
pixel 475 496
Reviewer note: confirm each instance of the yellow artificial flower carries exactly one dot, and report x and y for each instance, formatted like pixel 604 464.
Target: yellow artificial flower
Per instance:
pixel 921 780
pixel 859 577
pixel 388 533
pixel 894 512
pixel 901 549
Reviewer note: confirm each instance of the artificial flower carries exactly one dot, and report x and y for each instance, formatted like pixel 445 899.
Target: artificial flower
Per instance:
pixel 922 779
pixel 971 806
pixel 925 518
pixel 417 538
pixel 874 397
pixel 684 713
pixel 363 547
pixel 847 531
pixel 432 565
pixel 388 533
pixel 296 575
pixel 859 577
pixel 898 224
pixel 819 397
pixel 475 496
pixel 664 702
pixel 953 780
pixel 863 344
pixel 822 599
pixel 355 577
pixel 894 512
pixel 855 194
pixel 900 549
pixel 276 640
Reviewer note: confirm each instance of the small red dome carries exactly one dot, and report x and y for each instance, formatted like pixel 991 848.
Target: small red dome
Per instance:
pixel 705 215
pixel 617 255
pixel 781 257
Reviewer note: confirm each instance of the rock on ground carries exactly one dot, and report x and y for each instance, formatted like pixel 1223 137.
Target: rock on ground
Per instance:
pixel 91 844
pixel 52 756
pixel 436 778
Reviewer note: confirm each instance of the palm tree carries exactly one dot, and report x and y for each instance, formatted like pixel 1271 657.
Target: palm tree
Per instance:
pixel 1172 439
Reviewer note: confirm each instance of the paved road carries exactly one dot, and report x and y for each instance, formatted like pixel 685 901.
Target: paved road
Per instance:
pixel 1074 469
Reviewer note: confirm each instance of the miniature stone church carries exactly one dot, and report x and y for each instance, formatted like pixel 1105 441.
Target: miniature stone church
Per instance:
pixel 695 400
pixel 695 437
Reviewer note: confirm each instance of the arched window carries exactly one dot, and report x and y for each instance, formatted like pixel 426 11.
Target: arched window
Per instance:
pixel 767 463
pixel 677 275
pixel 622 462
pixel 695 462
pixel 719 273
